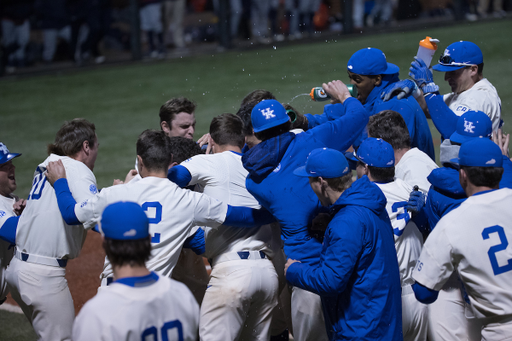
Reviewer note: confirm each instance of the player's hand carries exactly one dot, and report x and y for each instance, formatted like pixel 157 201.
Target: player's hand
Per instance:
pixel 502 141
pixel 19 206
pixel 204 139
pixel 288 263
pixel 55 171
pixel 131 174
pixel 420 72
pixel 416 201
pixel 337 90
pixel 402 89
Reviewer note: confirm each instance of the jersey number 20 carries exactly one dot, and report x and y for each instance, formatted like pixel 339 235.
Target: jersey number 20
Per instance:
pixel 151 333
pixel 496 248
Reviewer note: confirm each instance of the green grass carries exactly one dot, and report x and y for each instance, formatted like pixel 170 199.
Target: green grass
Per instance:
pixel 124 100
pixel 15 327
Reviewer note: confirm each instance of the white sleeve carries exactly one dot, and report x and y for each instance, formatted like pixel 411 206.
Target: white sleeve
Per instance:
pixel 6 211
pixel 89 211
pixel 435 264
pixel 208 211
pixel 87 326
pixel 199 169
pixel 81 184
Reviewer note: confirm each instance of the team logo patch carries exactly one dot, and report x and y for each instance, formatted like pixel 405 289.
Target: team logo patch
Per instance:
pixel 277 169
pixel 446 52
pixel 4 149
pixel 130 233
pixel 93 189
pixel 2 214
pixel 350 67
pixel 469 127
pixel 491 162
pixel 267 113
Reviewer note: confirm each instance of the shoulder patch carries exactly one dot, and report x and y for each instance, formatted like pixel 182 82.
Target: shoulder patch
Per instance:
pixel 2 214
pixel 93 189
pixel 277 169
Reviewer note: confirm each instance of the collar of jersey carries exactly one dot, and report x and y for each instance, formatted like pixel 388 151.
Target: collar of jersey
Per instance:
pixel 143 281
pixel 235 152
pixel 483 192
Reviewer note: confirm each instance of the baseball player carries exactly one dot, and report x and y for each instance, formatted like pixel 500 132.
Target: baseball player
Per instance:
pixel 10 207
pixel 473 241
pixel 376 159
pixel 177 117
pixel 411 164
pixel 357 276
pixel 139 304
pixel 240 258
pixel 45 243
pixel 173 212
pixel 271 181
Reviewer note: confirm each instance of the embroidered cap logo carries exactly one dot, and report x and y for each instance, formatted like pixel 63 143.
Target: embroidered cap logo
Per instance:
pixel 268 113
pixel 468 127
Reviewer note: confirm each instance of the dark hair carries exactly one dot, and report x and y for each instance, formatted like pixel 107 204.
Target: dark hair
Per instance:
pixel 245 115
pixel 382 174
pixel 390 126
pixel 71 136
pixel 128 252
pixel 183 149
pixel 484 176
pixel 227 129
pixel 154 147
pixel 481 68
pixel 257 96
pixel 274 131
pixel 298 120
pixel 173 107
pixel 338 184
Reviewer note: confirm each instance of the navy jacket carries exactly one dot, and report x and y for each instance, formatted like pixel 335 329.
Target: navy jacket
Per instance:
pixel 288 197
pixel 358 277
pixel 410 110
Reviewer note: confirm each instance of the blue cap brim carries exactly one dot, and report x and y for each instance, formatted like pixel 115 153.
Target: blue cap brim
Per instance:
pixel 8 157
pixel 301 171
pixel 446 68
pixel 391 70
pixel 455 161
pixel 458 138
pixel 351 159
pixel 272 124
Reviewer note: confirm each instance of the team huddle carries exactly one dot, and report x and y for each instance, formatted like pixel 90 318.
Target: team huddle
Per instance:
pixel 304 238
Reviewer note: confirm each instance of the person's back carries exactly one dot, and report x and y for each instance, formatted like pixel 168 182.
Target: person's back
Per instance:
pixel 139 307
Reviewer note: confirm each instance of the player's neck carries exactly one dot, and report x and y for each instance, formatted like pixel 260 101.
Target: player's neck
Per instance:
pixel 157 174
pixel 129 271
pixel 471 189
pixel 227 148
pixel 399 153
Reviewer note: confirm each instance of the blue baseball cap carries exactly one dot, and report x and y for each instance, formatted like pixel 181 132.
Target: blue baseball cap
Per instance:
pixel 458 55
pixel 371 62
pixel 124 221
pixel 479 152
pixel 325 162
pixel 268 114
pixel 5 155
pixel 471 125
pixel 376 153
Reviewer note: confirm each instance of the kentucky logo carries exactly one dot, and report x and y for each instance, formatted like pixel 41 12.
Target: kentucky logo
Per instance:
pixel 446 52
pixel 469 127
pixel 93 189
pixel 4 149
pixel 268 113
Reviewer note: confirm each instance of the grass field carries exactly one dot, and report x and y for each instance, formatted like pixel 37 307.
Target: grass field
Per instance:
pixel 124 100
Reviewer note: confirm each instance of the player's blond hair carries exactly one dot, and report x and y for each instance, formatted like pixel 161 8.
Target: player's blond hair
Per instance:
pixel 71 136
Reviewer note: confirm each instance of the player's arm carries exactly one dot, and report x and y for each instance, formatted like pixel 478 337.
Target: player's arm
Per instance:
pixel 8 229
pixel 196 242
pixel 180 175
pixel 424 294
pixel 338 260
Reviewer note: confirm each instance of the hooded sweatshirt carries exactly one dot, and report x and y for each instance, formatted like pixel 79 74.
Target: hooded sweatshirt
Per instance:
pixel 358 277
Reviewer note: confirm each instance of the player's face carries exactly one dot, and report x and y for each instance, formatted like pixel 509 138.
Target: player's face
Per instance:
pixel 184 125
pixel 364 85
pixel 7 178
pixel 459 80
pixel 360 170
pixel 316 186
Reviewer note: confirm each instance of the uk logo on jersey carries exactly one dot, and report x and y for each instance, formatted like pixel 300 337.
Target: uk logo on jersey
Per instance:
pixel 268 113
pixel 469 127
pixel 2 214
pixel 93 189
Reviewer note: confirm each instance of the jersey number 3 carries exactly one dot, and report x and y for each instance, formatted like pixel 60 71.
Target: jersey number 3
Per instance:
pixel 151 333
pixel 496 248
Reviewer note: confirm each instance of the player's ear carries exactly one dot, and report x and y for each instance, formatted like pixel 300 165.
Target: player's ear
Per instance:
pixel 140 163
pixel 85 146
pixel 165 127
pixel 172 164
pixel 377 80
pixel 463 178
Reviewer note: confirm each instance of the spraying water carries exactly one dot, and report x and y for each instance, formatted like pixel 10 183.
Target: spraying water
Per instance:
pixel 306 94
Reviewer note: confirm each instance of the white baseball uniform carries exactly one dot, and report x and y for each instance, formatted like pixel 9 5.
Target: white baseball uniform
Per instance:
pixel 6 252
pixel 473 240
pixel 240 257
pixel 414 167
pixel 44 243
pixel 157 310
pixel 173 214
pixel 408 244
pixel 481 96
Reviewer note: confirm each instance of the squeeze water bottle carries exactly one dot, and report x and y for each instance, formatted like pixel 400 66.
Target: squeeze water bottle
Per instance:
pixel 428 47
pixel 318 93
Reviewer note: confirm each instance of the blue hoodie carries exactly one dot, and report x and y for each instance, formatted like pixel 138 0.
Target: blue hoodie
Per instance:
pixel 358 277
pixel 410 110
pixel 288 197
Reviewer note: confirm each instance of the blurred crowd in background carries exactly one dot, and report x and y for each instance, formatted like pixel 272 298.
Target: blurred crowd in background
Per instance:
pixel 84 31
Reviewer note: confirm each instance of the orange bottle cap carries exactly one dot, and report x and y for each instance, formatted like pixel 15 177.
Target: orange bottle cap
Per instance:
pixel 312 94
pixel 426 43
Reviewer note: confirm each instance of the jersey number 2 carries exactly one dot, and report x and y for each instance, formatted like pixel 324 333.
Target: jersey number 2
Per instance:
pixel 496 248
pixel 155 218
pixel 38 184
pixel 153 332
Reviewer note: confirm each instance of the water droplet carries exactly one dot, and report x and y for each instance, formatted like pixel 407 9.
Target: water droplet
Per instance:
pixel 274 47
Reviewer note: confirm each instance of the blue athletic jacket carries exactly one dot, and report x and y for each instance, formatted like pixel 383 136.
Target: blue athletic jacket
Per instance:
pixel 288 197
pixel 358 277
pixel 446 193
pixel 410 110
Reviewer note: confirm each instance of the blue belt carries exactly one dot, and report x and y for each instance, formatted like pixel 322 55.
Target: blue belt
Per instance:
pixel 40 259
